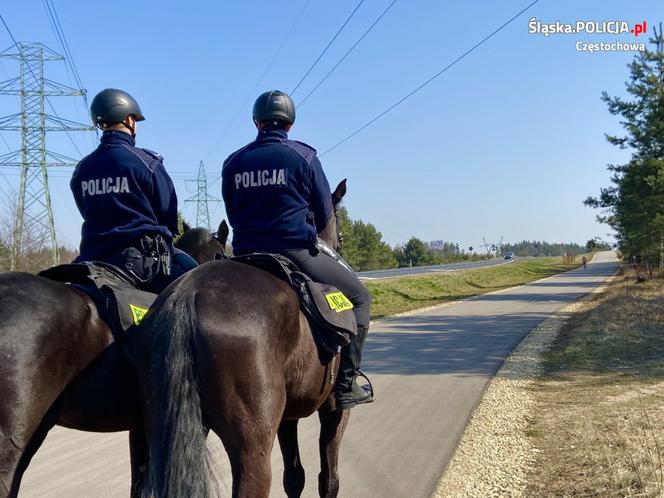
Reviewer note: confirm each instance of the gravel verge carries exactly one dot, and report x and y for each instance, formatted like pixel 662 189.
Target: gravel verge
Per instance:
pixel 494 455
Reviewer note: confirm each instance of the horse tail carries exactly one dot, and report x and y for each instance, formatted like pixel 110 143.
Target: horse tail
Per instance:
pixel 179 459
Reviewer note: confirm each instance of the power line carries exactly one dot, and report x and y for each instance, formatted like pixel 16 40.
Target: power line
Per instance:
pixel 260 80
pixel 346 54
pixel 4 177
pixel 54 19
pixel 70 56
pixel 328 46
pixel 2 137
pixel 48 101
pixel 462 56
pixel 60 34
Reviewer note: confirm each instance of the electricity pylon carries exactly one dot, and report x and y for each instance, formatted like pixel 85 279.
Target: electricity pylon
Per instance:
pixel 34 200
pixel 495 247
pixel 202 198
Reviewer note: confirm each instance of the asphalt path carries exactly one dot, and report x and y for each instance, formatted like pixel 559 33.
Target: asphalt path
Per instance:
pixel 429 370
pixel 422 270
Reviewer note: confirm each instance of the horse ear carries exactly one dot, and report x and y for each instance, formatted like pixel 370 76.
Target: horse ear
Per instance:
pixel 222 232
pixel 339 192
pixel 185 227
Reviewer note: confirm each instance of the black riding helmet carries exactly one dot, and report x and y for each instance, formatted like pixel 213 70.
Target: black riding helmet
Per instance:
pixel 274 106
pixel 112 106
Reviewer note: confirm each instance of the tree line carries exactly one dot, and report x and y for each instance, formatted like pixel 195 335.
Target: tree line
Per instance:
pixel 633 205
pixel 364 249
pixel 528 248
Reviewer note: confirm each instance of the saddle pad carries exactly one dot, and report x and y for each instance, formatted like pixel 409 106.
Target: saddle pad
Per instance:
pixel 118 302
pixel 88 273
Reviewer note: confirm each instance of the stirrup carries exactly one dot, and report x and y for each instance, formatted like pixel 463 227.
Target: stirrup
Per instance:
pixel 360 373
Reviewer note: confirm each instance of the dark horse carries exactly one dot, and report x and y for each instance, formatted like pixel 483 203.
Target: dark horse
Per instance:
pixel 59 364
pixel 232 352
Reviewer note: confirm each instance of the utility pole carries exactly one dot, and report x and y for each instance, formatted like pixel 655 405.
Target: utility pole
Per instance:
pixel 34 199
pixel 202 198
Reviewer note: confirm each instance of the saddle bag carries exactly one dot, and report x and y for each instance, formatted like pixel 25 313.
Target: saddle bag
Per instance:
pixel 326 305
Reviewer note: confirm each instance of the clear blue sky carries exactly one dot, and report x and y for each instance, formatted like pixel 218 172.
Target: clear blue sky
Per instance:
pixel 506 143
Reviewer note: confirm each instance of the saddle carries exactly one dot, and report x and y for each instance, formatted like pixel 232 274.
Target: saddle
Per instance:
pixel 118 302
pixel 329 311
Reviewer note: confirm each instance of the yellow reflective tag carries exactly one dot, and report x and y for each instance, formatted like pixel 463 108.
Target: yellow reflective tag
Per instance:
pixel 338 302
pixel 137 313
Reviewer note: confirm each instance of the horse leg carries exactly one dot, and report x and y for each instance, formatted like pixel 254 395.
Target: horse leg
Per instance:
pixel 17 456
pixel 248 435
pixel 332 428
pixel 246 424
pixel 293 470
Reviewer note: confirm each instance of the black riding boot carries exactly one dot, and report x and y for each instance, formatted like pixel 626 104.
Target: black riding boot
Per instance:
pixel 348 392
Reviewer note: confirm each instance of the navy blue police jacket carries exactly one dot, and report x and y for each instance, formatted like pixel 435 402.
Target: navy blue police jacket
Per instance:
pixel 276 194
pixel 123 193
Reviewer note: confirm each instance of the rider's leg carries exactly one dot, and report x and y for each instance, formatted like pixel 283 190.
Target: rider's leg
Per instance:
pixel 323 268
pixel 181 263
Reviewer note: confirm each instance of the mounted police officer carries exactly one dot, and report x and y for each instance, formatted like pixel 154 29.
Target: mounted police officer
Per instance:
pixel 278 199
pixel 127 200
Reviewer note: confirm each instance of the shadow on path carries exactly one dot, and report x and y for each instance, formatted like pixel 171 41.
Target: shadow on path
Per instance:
pixel 429 345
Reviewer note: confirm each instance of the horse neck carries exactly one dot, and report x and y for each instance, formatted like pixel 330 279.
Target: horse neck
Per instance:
pixel 329 233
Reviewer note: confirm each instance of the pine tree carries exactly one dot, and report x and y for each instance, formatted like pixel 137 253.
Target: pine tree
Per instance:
pixel 634 204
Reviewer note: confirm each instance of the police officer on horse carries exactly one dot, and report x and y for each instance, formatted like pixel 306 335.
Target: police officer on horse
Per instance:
pixel 277 200
pixel 127 200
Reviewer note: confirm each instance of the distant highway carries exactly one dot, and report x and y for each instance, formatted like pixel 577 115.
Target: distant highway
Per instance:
pixel 421 270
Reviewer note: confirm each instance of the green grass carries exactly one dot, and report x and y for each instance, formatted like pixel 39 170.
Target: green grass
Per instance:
pixel 397 295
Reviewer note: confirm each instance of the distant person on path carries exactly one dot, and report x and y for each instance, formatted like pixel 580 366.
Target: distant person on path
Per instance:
pixel 127 200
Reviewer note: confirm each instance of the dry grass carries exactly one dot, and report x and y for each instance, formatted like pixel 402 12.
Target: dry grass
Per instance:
pixel 599 423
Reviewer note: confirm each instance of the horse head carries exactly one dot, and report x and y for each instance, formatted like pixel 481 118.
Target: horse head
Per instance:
pixel 201 244
pixel 331 234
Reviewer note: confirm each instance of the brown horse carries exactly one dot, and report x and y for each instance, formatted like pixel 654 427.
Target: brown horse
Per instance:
pixel 59 364
pixel 232 352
